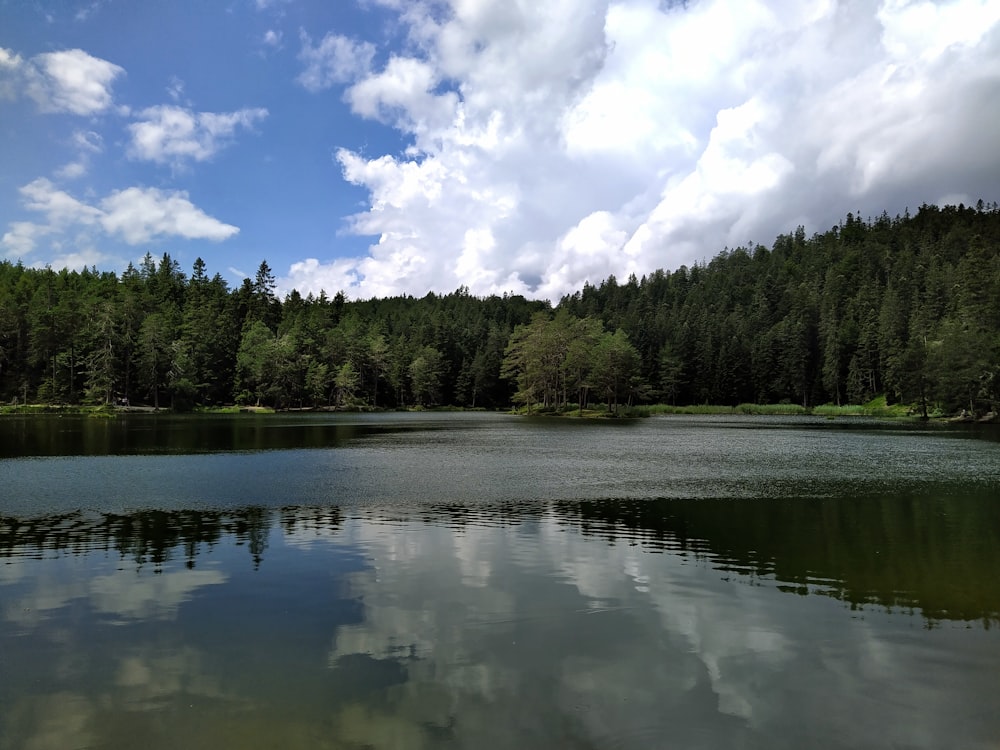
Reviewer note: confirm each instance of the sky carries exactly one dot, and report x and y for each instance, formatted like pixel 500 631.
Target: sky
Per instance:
pixel 389 147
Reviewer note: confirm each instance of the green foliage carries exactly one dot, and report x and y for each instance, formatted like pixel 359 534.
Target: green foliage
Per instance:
pixel 346 383
pixel 877 407
pixel 426 374
pixel 549 359
pixel 908 307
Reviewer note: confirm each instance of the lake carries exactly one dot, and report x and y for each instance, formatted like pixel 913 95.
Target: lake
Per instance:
pixel 477 580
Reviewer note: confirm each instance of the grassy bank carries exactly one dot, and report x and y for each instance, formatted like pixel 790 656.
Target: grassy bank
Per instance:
pixel 114 411
pixel 877 407
pixel 93 411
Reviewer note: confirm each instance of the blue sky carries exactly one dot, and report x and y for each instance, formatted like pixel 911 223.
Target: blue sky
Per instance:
pixel 386 147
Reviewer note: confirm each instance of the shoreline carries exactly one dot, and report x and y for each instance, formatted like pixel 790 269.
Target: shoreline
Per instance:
pixel 828 411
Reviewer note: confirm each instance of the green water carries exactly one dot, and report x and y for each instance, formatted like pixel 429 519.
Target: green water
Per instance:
pixel 487 581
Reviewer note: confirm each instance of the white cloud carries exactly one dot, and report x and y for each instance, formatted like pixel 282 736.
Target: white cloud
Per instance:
pixel 139 215
pixel 335 60
pixel 136 215
pixel 272 38
pixel 171 134
pixel 11 68
pixel 926 30
pixel 71 81
pixel 176 89
pixel 60 208
pixel 86 12
pixel 403 94
pixel 72 170
pixel 87 143
pixel 311 275
pixel 559 142
pixel 80 259
pixel 22 237
pixel 9 60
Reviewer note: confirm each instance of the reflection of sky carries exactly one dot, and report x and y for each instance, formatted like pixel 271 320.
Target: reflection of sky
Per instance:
pixel 122 594
pixel 618 647
pixel 379 633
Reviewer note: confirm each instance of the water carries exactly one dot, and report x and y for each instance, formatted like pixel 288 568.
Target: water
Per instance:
pixel 486 581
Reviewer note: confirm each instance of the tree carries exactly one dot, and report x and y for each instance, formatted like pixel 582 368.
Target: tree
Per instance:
pixel 263 305
pixel 578 361
pixel 155 354
pixel 318 383
pixel 253 362
pixel 45 335
pixel 533 360
pixel 346 383
pixel 670 374
pixel 908 307
pixel 960 363
pixel 615 364
pixel 102 361
pixel 425 376
pixel 378 358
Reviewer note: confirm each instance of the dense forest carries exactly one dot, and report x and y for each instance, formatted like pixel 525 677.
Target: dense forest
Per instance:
pixel 905 307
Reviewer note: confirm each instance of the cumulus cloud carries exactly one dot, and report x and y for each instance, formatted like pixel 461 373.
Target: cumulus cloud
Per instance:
pixel 71 81
pixel 139 215
pixel 21 238
pixel 335 60
pixel 60 208
pixel 171 134
pixel 556 143
pixel 135 215
pixel 403 93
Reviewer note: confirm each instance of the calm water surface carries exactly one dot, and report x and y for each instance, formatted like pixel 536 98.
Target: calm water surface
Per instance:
pixel 485 581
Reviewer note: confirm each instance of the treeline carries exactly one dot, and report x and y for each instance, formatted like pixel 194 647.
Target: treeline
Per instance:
pixel 155 336
pixel 908 307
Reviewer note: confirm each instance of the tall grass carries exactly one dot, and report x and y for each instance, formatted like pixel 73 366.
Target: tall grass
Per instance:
pixel 695 409
pixel 783 410
pixel 877 407
pixel 101 410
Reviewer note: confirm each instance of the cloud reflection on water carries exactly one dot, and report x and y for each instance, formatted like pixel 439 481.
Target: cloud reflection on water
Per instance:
pixel 555 625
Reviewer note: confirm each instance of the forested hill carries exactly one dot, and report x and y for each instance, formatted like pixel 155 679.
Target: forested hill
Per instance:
pixel 908 307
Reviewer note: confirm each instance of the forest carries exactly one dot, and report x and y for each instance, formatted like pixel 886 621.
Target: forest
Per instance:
pixel 907 308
